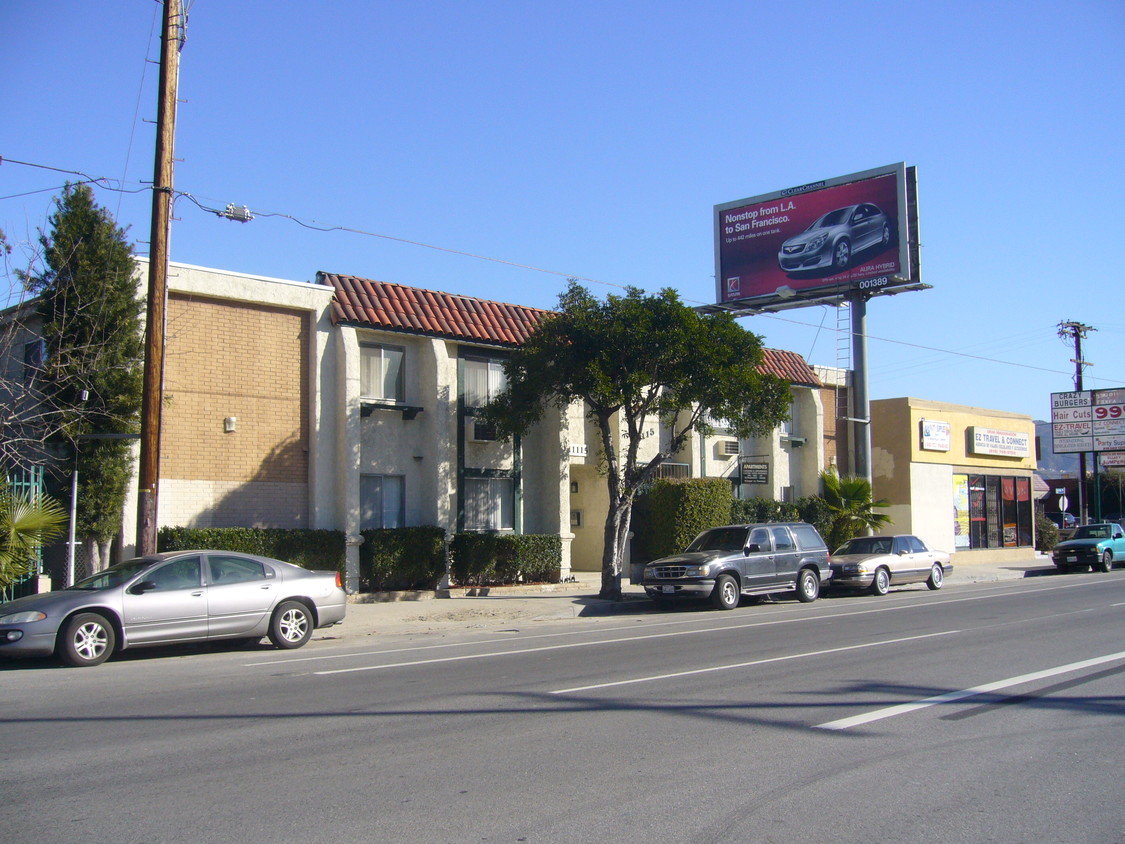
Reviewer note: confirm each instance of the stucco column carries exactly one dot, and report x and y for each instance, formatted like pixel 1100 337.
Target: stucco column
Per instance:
pixel 347 464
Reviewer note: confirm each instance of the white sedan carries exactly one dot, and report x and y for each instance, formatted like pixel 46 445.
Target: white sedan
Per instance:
pixel 876 563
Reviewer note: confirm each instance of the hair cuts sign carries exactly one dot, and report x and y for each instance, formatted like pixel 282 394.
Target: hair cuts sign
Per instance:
pixel 1088 420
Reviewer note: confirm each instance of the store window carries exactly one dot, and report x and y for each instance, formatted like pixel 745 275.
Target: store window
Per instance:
pixel 999 512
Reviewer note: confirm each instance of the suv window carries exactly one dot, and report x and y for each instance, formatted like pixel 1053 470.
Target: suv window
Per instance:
pixel 807 537
pixel 782 541
pixel 761 538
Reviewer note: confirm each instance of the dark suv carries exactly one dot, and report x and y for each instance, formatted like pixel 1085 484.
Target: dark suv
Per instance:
pixel 725 563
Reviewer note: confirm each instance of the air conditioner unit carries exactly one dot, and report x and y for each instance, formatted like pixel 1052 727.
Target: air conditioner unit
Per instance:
pixel 729 448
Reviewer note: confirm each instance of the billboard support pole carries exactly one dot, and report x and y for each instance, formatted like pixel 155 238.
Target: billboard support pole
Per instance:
pixel 861 406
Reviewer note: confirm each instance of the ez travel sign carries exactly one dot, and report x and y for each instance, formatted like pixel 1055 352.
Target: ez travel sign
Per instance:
pixel 1088 420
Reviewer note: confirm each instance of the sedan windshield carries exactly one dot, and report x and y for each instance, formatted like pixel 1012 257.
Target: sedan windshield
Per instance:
pixel 832 218
pixel 720 539
pixel 866 545
pixel 114 575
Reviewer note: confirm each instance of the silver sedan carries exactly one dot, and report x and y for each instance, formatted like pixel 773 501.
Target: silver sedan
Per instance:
pixel 187 596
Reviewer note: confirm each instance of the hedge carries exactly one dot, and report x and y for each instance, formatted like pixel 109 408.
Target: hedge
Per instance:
pixel 676 511
pixel 311 549
pixel 483 559
pixel 397 559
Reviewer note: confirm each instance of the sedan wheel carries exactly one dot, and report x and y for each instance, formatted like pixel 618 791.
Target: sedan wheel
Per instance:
pixel 1107 561
pixel 881 585
pixel 842 255
pixel 87 639
pixel 291 625
pixel 808 585
pixel 726 593
pixel 937 577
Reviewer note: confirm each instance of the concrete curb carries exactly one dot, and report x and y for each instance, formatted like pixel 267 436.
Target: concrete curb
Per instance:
pixel 497 607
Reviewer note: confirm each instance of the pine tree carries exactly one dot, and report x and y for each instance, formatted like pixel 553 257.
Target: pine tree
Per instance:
pixel 93 372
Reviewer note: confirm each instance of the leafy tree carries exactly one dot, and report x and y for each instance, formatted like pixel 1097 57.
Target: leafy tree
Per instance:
pixel 635 359
pixel 92 371
pixel 853 512
pixel 25 523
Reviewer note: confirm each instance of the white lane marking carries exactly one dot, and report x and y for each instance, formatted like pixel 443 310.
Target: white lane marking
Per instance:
pixel 288 660
pixel 750 664
pixel 949 697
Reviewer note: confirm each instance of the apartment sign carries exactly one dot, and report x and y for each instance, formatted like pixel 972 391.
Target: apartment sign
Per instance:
pixel 1088 420
pixel 754 472
pixel 1000 443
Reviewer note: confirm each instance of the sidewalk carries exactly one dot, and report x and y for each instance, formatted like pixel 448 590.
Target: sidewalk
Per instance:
pixel 504 606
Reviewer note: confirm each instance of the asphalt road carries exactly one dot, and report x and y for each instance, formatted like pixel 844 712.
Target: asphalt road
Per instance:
pixel 987 712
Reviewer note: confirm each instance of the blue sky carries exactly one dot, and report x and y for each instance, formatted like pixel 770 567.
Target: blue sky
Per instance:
pixel 593 140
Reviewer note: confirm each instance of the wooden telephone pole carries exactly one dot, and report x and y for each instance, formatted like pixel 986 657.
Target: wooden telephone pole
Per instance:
pixel 171 41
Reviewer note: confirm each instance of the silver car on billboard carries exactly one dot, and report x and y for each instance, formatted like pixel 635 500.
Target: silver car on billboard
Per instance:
pixel 163 599
pixel 833 240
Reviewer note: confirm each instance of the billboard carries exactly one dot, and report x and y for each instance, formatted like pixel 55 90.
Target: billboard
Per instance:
pixel 1088 420
pixel 856 232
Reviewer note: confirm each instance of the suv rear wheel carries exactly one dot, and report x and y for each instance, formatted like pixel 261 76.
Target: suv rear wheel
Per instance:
pixel 808 585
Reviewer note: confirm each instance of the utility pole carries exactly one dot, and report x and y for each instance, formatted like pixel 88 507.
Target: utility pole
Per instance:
pixel 171 41
pixel 1076 331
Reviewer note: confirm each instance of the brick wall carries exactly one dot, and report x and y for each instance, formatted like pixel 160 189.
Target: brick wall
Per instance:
pixel 249 362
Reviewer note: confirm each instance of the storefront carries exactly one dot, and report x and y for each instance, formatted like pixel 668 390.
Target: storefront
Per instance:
pixel 961 478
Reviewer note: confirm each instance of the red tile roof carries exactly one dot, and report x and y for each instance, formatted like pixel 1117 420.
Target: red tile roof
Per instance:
pixel 412 310
pixel 790 366
pixel 395 307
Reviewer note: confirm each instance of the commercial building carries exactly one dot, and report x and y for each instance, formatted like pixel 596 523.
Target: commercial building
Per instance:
pixel 960 478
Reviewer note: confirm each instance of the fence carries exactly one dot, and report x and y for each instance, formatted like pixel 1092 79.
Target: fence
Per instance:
pixel 27 483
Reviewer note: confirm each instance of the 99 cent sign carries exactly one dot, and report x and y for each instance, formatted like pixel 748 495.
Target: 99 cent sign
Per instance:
pixel 1088 420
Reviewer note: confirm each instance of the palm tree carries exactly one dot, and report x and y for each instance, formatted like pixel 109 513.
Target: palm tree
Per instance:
pixel 25 523
pixel 853 512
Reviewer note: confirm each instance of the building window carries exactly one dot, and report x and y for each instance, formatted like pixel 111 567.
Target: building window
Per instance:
pixel 489 504
pixel 34 356
pixel 484 380
pixel 380 373
pixel 381 501
pixel 1000 513
pixel 576 518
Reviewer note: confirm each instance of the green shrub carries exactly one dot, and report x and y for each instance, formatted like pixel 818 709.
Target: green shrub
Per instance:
pixel 812 509
pixel 483 559
pixel 1046 533
pixel 396 559
pixel 676 511
pixel 311 549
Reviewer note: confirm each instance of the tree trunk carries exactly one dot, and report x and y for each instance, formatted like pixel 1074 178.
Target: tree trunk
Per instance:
pixel 97 553
pixel 616 539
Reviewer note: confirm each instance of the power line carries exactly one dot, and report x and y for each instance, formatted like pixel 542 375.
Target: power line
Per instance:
pixel 314 225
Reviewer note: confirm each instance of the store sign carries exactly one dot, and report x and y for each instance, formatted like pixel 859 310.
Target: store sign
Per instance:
pixel 1088 420
pixel 1000 443
pixel 935 435
pixel 755 472
pixel 1112 459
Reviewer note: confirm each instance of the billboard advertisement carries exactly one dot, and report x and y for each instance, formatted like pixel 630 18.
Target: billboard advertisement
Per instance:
pixel 843 234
